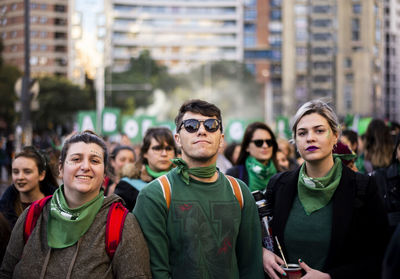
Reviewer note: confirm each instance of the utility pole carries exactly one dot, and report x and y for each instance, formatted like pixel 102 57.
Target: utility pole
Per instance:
pixel 25 94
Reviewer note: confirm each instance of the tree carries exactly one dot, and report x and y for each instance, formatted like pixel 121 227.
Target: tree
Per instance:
pixel 59 102
pixel 142 70
pixel 8 76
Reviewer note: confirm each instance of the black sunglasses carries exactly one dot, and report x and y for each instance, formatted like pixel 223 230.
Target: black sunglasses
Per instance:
pixel 193 125
pixel 260 142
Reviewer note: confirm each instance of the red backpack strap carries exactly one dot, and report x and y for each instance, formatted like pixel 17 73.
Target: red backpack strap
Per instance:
pixel 115 223
pixel 32 216
pixel 237 191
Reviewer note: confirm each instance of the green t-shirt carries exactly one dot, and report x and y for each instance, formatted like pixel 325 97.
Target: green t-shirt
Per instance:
pixel 307 237
pixel 204 234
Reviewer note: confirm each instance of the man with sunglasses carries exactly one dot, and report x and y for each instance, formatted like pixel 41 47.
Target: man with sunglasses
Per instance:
pixel 156 152
pixel 202 231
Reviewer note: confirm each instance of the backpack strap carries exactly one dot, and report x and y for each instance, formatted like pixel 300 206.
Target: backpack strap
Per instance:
pixel 115 223
pixel 166 188
pixel 32 216
pixel 237 191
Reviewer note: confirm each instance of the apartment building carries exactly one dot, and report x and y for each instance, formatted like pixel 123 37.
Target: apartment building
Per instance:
pixel 48 35
pixel 391 66
pixel 180 34
pixel 333 49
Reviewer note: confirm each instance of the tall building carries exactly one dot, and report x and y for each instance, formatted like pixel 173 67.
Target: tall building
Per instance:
pixel 180 34
pixel 48 35
pixel 333 49
pixel 392 59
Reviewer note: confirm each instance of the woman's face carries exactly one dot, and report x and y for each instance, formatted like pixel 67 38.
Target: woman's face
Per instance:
pixel 159 155
pixel 282 160
pixel 264 152
pixel 123 157
pixel 314 138
pixel 83 171
pixel 25 175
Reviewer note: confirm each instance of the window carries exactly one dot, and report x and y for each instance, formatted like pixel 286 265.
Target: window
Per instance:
pixel 34 47
pixel 34 33
pixel 13 6
pixel 322 9
pixel 322 50
pixel 348 62
pixel 13 34
pixel 4 35
pixel 34 60
pixel 43 60
pixel 356 8
pixel 43 19
pixel 43 47
pixel 60 8
pixel 322 36
pixel 249 41
pixel 322 22
pixel 34 19
pixel 43 6
pixel 349 77
pixel 43 34
pixel 355 27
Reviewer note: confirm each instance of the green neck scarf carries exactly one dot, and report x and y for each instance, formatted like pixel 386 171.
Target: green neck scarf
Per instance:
pixel 155 174
pixel 315 193
pixel 66 226
pixel 259 174
pixel 184 170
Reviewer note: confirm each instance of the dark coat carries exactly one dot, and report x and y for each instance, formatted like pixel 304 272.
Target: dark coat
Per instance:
pixel 359 224
pixel 240 172
pixel 7 202
pixel 388 181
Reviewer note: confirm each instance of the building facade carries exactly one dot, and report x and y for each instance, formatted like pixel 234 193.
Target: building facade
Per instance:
pixel 392 59
pixel 48 35
pixel 179 34
pixel 333 49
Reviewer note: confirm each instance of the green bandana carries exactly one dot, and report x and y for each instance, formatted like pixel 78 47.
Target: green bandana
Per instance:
pixel 184 170
pixel 65 225
pixel 155 174
pixel 315 193
pixel 259 174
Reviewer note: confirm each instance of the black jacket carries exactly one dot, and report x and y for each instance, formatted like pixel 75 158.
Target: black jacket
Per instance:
pixel 8 199
pixel 388 181
pixel 359 224
pixel 240 172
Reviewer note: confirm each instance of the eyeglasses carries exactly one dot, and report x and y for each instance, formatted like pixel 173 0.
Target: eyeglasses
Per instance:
pixel 160 148
pixel 193 125
pixel 260 142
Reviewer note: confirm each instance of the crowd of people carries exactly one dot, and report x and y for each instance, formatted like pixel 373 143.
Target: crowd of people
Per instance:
pixel 181 205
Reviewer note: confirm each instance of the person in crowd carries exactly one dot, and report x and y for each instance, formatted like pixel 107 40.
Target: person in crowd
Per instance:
pixel 223 164
pixel 32 179
pixel 388 181
pixel 156 152
pixel 120 155
pixel 282 160
pixel 378 146
pixel 257 159
pixel 288 149
pixel 347 155
pixel 199 229
pixel 69 238
pixel 391 261
pixel 326 217
pixel 352 140
pixel 232 152
pixel 5 232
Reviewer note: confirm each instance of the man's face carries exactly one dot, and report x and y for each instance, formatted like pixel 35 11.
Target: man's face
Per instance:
pixel 201 146
pixel 158 155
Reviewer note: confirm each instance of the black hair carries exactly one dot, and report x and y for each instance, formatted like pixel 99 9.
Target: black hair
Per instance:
pixel 161 135
pixel 198 106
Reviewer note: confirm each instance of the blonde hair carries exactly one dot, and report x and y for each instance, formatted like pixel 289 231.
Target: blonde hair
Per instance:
pixel 129 170
pixel 320 107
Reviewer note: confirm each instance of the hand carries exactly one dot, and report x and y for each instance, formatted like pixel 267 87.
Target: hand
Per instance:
pixel 271 263
pixel 312 273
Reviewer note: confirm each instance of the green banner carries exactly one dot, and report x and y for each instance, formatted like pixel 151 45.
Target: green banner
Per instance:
pixel 87 120
pixel 110 121
pixel 147 122
pixel 282 128
pixel 363 125
pixel 234 131
pixel 131 127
